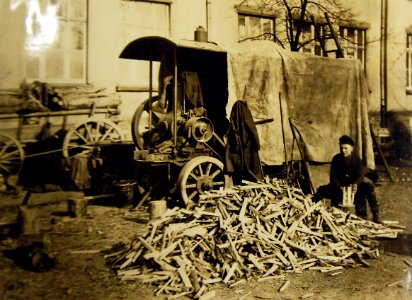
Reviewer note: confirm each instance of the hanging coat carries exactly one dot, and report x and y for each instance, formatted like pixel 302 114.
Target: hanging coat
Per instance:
pixel 242 147
pixel 193 90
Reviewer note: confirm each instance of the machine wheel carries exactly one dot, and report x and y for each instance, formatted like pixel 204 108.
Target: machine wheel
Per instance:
pixel 201 174
pixel 83 137
pixel 11 155
pixel 142 131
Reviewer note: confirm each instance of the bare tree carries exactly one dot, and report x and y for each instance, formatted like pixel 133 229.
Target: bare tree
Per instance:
pixel 293 16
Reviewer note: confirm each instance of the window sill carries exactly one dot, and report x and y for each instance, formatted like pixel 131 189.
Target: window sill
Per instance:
pixel 134 88
pixel 157 1
pixel 256 11
pixel 69 85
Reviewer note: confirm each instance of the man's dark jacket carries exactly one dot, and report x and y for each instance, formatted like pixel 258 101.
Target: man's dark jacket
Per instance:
pixel 346 171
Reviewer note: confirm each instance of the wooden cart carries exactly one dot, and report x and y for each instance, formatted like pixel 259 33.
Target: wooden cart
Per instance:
pixel 85 128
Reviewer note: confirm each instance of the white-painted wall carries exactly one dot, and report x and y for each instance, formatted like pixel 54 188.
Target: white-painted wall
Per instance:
pixel 104 43
pixel 12 38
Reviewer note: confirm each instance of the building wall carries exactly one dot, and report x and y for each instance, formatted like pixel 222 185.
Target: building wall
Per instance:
pixel 363 13
pixel 11 45
pixel 186 16
pixel 399 19
pixel 103 43
pixel 220 17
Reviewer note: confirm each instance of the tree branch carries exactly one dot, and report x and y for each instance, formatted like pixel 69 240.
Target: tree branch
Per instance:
pixel 301 20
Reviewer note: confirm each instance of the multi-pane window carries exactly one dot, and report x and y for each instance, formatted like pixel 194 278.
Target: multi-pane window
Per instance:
pixel 141 18
pixel 308 41
pixel 409 62
pixel 56 41
pixel 353 42
pixel 255 27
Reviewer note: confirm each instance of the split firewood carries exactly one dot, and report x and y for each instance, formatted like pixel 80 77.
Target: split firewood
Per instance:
pixel 258 230
pixel 409 263
pixel 395 283
pixel 308 295
pixel 91 251
pixel 284 286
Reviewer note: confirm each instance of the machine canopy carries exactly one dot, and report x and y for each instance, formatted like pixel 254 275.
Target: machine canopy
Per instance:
pixel 153 47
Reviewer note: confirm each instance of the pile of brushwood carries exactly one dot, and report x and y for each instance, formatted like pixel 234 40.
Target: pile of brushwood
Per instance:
pixel 257 230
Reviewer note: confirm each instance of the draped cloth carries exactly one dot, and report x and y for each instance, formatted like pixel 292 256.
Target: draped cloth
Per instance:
pixel 192 88
pixel 324 98
pixel 242 147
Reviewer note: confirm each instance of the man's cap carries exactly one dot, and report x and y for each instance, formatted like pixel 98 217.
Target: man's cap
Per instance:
pixel 344 139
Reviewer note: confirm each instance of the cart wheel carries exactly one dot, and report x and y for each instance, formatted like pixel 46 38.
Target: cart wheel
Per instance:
pixel 201 174
pixel 142 131
pixel 83 137
pixel 11 155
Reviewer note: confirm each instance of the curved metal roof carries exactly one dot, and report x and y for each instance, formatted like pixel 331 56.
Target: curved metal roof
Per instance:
pixel 152 47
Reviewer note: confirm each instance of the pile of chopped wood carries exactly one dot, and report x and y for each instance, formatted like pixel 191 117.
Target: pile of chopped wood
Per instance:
pixel 256 230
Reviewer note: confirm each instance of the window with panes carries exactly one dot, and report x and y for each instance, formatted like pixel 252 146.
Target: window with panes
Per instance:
pixel 140 18
pixel 409 62
pixel 308 41
pixel 56 41
pixel 353 42
pixel 255 27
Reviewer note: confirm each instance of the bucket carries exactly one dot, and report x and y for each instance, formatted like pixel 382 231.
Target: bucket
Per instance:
pixel 348 209
pixel 157 208
pixel 124 189
pixel 77 207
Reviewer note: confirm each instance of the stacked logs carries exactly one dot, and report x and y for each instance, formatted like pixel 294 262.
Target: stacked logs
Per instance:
pixel 39 97
pixel 86 96
pixel 256 230
pixel 10 101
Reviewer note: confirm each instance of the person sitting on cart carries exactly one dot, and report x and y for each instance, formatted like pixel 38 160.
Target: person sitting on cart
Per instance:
pixel 346 170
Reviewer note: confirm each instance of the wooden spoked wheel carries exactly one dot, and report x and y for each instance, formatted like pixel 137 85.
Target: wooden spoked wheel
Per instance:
pixel 201 174
pixel 145 134
pixel 11 155
pixel 83 138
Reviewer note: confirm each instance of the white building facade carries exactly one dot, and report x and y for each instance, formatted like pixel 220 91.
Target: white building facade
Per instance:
pixel 77 42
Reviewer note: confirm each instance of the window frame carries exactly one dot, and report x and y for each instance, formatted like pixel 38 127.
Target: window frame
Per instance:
pixel 66 23
pixel 132 83
pixel 250 12
pixel 155 1
pixel 346 44
pixel 316 49
pixel 314 44
pixel 409 63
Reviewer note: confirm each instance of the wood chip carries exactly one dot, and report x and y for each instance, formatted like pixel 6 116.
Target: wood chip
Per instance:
pixel 284 286
pixel 308 295
pixel 395 283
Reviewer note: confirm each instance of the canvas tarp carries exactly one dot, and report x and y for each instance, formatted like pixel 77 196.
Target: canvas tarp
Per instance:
pixel 324 98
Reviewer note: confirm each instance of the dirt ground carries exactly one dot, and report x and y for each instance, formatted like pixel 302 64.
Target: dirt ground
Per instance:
pixel 81 271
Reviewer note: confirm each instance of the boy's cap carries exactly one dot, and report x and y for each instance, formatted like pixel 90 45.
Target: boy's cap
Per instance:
pixel 344 139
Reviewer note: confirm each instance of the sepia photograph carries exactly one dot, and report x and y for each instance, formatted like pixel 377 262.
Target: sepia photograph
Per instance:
pixel 205 149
